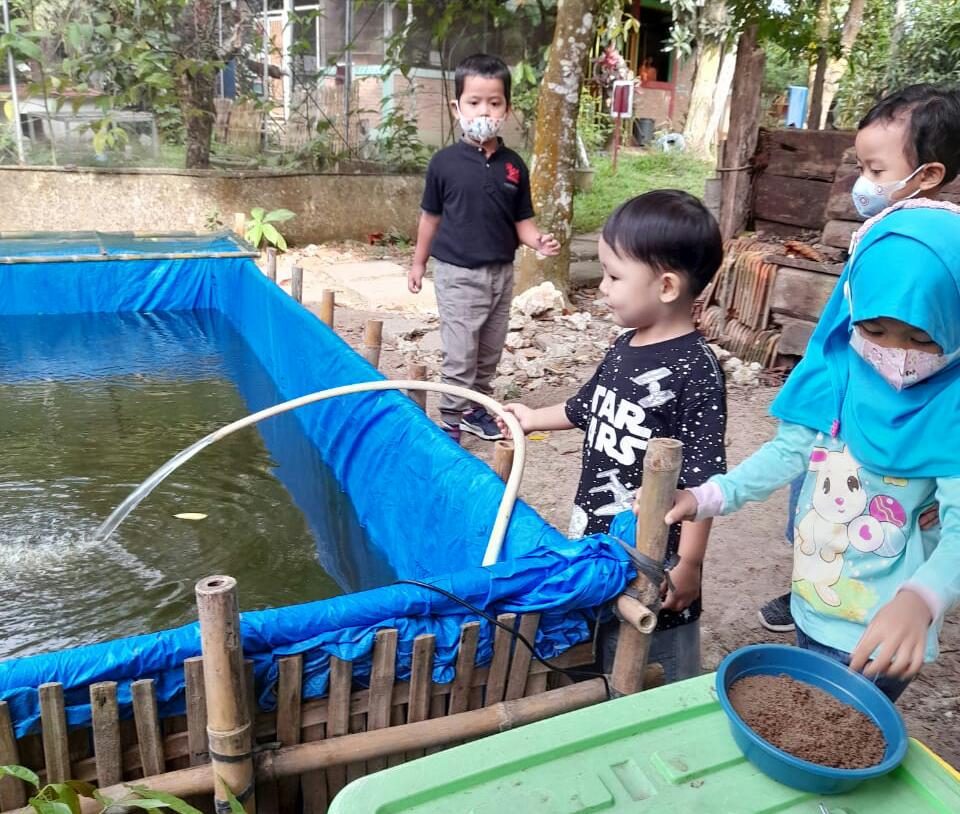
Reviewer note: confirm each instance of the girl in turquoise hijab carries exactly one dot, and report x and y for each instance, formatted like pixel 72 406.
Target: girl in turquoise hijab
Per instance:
pixel 873 420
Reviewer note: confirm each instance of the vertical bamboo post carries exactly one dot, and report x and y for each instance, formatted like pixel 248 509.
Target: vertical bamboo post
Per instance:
pixel 296 283
pixel 661 469
pixel 228 715
pixel 239 223
pixel 503 459
pixel 12 791
pixel 327 306
pixel 373 341
pixel 272 263
pixel 418 373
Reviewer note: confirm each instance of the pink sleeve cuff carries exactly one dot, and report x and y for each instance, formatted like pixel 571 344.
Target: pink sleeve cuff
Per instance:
pixel 709 499
pixel 934 603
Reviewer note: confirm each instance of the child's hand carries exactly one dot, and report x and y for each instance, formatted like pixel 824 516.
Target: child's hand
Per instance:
pixel 684 507
pixel 930 517
pixel 685 577
pixel 900 631
pixel 523 414
pixel 548 245
pixel 415 277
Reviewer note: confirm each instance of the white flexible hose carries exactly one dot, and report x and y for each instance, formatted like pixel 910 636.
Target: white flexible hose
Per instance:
pixel 497 534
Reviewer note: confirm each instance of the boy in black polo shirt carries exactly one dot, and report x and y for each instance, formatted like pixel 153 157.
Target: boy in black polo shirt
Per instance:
pixel 476 210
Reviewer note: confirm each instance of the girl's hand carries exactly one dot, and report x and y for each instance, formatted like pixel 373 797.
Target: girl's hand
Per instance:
pixel 930 517
pixel 685 577
pixel 900 631
pixel 523 414
pixel 684 507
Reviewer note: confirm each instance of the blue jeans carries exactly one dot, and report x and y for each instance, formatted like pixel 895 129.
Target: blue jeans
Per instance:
pixel 890 687
pixel 795 488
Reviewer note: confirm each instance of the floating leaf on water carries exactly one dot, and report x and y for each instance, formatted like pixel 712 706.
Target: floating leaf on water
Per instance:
pixel 190 516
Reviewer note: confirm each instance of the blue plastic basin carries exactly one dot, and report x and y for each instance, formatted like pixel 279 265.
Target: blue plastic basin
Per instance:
pixel 823 672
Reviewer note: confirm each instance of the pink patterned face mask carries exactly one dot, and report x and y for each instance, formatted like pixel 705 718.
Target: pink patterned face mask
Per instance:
pixel 899 367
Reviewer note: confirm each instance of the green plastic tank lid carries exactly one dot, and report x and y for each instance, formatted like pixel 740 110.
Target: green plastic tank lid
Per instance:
pixel 665 750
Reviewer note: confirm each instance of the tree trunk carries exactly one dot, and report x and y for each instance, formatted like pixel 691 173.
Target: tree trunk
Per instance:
pixel 555 143
pixel 721 95
pixel 836 68
pixel 823 53
pixel 196 85
pixel 899 20
pixel 696 128
pixel 741 140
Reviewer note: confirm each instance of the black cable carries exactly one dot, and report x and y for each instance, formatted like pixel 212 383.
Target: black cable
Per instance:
pixel 513 633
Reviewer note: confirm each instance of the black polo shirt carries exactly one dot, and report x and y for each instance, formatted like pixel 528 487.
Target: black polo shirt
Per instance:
pixel 479 200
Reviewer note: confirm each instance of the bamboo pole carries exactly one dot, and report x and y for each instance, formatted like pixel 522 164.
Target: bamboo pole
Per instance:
pixel 661 468
pixel 418 373
pixel 296 760
pixel 239 223
pixel 228 716
pixel 373 341
pixel 296 283
pixel 503 458
pixel 272 263
pixel 327 306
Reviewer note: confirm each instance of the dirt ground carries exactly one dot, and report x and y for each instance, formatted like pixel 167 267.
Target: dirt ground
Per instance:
pixel 748 561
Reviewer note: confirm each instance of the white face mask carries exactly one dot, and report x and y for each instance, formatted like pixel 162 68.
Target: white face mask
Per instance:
pixel 871 198
pixel 481 128
pixel 899 367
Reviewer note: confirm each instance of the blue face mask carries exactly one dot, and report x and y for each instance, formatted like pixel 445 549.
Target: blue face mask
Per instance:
pixel 871 198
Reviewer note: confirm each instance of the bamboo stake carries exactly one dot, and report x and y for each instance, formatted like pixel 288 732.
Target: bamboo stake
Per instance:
pixel 661 468
pixel 272 263
pixel 466 661
pixel 149 737
pixel 637 614
pixel 338 722
pixel 503 458
pixel 106 733
pixel 500 663
pixel 12 794
pixel 289 691
pixel 382 675
pixel 239 223
pixel 373 341
pixel 53 719
pixel 327 307
pixel 418 373
pixel 296 283
pixel 520 666
pixel 421 676
pixel 196 711
pixel 306 757
pixel 228 717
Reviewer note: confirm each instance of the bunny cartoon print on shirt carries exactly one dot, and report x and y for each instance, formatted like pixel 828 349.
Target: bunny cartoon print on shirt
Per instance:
pixel 842 515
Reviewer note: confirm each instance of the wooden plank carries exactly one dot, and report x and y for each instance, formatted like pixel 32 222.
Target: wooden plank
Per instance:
pixel 421 677
pixel 12 791
pixel 794 335
pixel 357 769
pixel 466 662
pixel 838 232
pixel 197 746
pixel 398 714
pixel 266 793
pixel 382 675
pixel 806 265
pixel 813 154
pixel 313 785
pixel 536 684
pixel 520 666
pixel 801 294
pixel 499 666
pixel 53 720
pixel 840 203
pixel 149 736
pixel 338 722
pixel 794 201
pixel 106 733
pixel 289 692
pixel 770 228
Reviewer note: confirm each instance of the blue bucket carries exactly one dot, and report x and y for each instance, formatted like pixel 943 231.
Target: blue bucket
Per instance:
pixel 829 675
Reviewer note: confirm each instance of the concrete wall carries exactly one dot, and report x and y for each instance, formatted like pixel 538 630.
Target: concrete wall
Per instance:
pixel 328 207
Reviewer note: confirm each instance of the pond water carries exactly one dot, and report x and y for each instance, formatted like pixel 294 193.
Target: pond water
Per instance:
pixel 90 404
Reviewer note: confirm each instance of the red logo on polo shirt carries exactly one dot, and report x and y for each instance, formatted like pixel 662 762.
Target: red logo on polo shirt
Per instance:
pixel 513 174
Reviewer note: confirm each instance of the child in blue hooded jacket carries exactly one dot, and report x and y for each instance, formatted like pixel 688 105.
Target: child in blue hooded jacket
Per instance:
pixel 873 421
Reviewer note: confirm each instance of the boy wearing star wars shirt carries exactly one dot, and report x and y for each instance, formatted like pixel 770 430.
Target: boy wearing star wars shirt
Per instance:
pixel 660 379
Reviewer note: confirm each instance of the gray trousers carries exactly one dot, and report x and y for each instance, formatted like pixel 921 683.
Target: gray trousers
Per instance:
pixel 474 309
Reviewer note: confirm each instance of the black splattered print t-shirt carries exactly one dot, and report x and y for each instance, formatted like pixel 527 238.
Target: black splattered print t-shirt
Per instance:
pixel 672 389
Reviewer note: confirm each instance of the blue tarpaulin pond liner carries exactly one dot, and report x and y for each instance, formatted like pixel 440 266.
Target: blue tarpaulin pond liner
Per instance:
pixel 425 502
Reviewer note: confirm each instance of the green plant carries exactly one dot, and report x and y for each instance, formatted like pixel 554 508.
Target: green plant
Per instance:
pixel 593 125
pixel 64 798
pixel 213 220
pixel 8 143
pixel 260 227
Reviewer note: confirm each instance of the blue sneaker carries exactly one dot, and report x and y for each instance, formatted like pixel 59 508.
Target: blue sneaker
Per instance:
pixel 481 423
